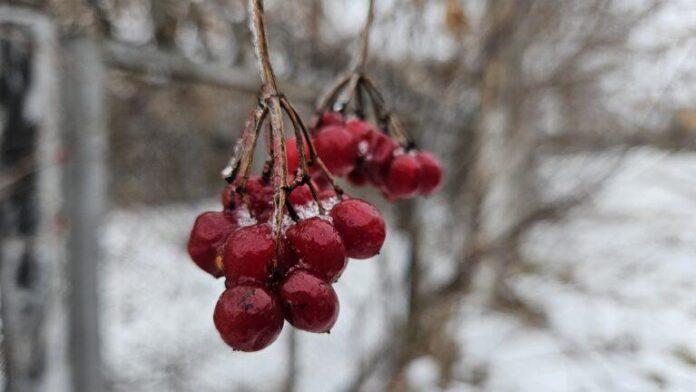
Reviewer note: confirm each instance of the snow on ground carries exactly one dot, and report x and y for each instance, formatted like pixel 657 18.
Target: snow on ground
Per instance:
pixel 616 281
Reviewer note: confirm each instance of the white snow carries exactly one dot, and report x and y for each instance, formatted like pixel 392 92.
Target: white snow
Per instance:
pixel 616 281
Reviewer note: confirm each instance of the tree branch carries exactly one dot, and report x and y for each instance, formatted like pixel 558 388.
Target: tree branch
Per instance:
pixel 152 61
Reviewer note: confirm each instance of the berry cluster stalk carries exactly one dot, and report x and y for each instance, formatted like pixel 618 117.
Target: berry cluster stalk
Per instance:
pixel 356 86
pixel 269 94
pixel 361 56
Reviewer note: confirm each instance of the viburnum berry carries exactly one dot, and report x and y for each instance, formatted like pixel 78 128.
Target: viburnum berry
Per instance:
pixel 361 227
pixel 330 118
pixel 300 195
pixel 430 172
pixel 293 155
pixel 361 130
pixel 317 246
pixel 337 148
pixel 248 318
pixel 207 240
pixel 380 156
pixel 403 176
pixel 309 303
pixel 259 192
pixel 249 255
pixel 358 176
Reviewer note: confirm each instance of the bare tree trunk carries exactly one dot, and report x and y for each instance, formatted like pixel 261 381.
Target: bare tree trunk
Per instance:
pixel 505 165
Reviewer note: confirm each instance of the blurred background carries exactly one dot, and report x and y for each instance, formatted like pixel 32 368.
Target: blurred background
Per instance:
pixel 559 256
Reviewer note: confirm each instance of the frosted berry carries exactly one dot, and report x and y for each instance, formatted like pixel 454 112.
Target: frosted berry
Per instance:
pixel 330 118
pixel 361 227
pixel 309 303
pixel 207 240
pixel 259 192
pixel 430 172
pixel 318 247
pixel 337 148
pixel 300 195
pixel 381 153
pixel 293 155
pixel 403 177
pixel 248 318
pixel 361 130
pixel 249 255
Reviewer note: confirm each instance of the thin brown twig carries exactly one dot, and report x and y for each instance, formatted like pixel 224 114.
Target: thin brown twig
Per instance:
pixel 361 56
pixel 270 95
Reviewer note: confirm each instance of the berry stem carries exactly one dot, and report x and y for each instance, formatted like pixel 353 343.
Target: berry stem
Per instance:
pixel 313 156
pixel 270 95
pixel 260 42
pixel 361 56
pixel 329 97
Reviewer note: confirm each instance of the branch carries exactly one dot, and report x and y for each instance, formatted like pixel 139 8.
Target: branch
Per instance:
pixel 551 211
pixel 151 61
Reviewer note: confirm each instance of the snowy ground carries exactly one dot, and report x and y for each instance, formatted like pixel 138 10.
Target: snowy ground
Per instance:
pixel 616 281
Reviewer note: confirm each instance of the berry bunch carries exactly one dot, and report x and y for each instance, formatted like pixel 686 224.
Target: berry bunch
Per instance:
pixel 284 237
pixel 357 149
pixel 269 278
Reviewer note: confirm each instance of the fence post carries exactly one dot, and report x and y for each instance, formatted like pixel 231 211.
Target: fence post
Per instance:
pixel 32 251
pixel 85 140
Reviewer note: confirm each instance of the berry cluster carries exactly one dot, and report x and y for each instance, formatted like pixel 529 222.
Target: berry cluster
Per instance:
pixel 269 278
pixel 283 238
pixel 357 149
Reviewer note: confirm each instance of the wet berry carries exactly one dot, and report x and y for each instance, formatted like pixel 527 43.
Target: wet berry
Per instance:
pixel 403 176
pixel 207 240
pixel 337 148
pixel 293 155
pixel 430 172
pixel 249 255
pixel 380 156
pixel 361 227
pixel 358 176
pixel 248 318
pixel 300 195
pixel 259 192
pixel 318 247
pixel 309 303
pixel 330 118
pixel 360 130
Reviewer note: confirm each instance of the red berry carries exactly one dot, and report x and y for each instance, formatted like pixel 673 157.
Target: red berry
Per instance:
pixel 361 227
pixel 403 177
pixel 358 176
pixel 300 195
pixel 360 130
pixel 330 118
pixel 248 318
pixel 381 153
pixel 207 239
pixel 318 247
pixel 249 255
pixel 336 147
pixel 259 192
pixel 431 172
pixel 308 302
pixel 293 155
